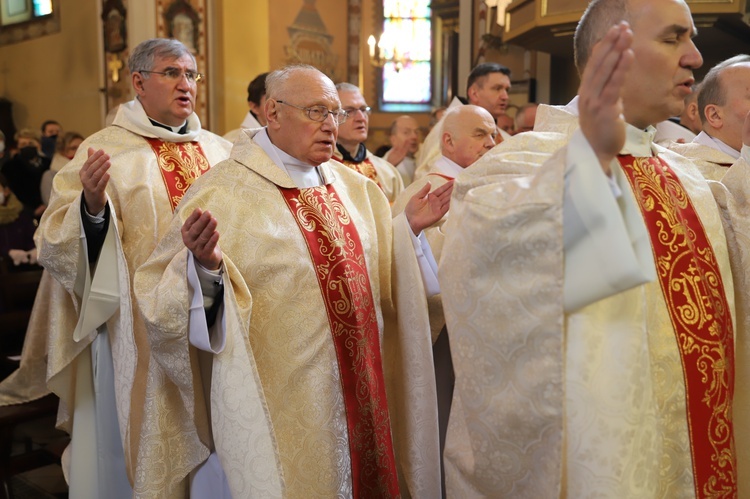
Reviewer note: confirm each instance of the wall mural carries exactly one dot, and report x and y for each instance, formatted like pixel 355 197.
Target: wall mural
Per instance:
pixel 316 33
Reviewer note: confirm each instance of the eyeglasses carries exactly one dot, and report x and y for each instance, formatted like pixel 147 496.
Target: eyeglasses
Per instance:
pixel 364 110
pixel 320 113
pixel 175 74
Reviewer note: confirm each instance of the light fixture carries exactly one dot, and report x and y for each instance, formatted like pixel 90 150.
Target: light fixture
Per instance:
pixel 384 50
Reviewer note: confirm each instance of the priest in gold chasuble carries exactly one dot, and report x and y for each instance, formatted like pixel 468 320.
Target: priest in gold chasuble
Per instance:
pixel 321 381
pixel 593 318
pixel 109 207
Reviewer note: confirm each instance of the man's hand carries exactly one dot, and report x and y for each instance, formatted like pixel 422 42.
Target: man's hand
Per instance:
pixel 398 152
pixel 425 207
pixel 201 238
pixel 599 103
pixel 94 178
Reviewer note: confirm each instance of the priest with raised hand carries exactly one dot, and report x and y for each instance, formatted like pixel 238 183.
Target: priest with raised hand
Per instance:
pixel 315 378
pixel 592 318
pixel 109 207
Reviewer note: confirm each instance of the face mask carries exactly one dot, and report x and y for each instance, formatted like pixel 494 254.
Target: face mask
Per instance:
pixel 48 145
pixel 28 153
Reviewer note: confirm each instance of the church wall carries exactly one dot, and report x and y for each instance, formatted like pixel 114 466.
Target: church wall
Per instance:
pixel 56 76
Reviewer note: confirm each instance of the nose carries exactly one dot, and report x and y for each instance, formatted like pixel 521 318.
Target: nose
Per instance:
pixel 692 58
pixel 330 122
pixel 489 142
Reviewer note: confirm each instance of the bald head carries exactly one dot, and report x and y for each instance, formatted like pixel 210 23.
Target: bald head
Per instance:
pixel 468 133
pixel 724 100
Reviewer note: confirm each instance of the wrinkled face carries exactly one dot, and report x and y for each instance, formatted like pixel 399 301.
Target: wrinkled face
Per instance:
pixel 491 93
pixel 407 132
pixel 354 130
pixel 474 136
pixel 259 110
pixel 51 130
pixel 165 100
pixel 665 56
pixel 291 129
pixel 735 81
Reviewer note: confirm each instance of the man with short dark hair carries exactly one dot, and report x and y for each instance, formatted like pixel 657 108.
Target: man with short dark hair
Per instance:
pixel 256 101
pixel 108 209
pixel 723 104
pixel 51 129
pixel 313 276
pixel 596 304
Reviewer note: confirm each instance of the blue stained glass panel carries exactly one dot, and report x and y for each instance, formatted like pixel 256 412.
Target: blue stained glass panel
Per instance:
pixel 42 7
pixel 409 85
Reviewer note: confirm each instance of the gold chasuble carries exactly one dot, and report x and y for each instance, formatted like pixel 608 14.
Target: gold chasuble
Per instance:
pixel 341 270
pixel 693 289
pixel 376 169
pixel 180 164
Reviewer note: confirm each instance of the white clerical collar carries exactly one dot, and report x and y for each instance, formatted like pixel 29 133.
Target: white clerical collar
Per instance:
pixel 131 116
pixel 706 140
pixel 638 142
pixel 302 174
pixel 447 167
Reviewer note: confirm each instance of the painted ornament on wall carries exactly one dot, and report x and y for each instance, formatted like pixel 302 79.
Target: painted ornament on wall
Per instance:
pixel 183 24
pixel 310 42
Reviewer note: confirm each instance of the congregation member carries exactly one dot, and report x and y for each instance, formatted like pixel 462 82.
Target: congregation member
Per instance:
pixel 487 86
pixel 468 133
pixel 256 101
pixel 351 149
pixel 51 130
pixel 587 289
pixel 404 139
pixel 109 207
pixel 723 104
pixel 25 169
pixel 321 380
pixel 525 117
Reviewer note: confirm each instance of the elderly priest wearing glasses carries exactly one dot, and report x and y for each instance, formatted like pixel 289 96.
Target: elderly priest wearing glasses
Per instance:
pixel 316 389
pixel 351 149
pixel 110 206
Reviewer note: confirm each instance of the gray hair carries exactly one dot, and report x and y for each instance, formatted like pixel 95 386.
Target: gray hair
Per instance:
pixel 347 87
pixel 143 56
pixel 598 17
pixel 276 80
pixel 711 90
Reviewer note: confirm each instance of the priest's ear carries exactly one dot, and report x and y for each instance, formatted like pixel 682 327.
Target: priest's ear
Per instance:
pixel 272 113
pixel 714 116
pixel 138 79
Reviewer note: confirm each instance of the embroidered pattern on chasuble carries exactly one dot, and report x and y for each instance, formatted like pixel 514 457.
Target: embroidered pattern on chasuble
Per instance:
pixel 180 163
pixel 694 292
pixel 364 167
pixel 338 257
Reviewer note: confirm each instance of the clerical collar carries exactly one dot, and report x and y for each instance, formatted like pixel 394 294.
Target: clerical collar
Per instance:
pixel 705 139
pixel 638 142
pixel 357 158
pixel 447 167
pixel 302 174
pixel 182 129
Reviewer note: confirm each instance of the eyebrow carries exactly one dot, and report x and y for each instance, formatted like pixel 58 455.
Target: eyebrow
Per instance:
pixel 678 29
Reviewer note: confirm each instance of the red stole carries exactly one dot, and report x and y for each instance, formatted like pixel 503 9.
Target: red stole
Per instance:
pixel 694 292
pixel 337 254
pixel 364 167
pixel 180 163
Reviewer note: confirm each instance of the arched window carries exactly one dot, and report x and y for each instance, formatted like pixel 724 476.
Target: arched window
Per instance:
pixel 407 44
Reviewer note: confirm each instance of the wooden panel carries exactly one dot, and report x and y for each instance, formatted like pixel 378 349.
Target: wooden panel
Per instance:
pixel 557 7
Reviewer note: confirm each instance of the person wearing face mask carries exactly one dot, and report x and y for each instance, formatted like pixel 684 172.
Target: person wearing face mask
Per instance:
pixel 66 148
pixel 51 130
pixel 24 171
pixel 16 230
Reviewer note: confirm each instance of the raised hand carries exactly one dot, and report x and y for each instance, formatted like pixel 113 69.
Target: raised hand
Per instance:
pixel 425 207
pixel 398 152
pixel 94 178
pixel 201 237
pixel 599 103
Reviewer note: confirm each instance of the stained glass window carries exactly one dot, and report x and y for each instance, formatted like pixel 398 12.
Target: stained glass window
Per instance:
pixel 407 38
